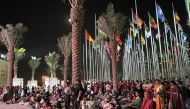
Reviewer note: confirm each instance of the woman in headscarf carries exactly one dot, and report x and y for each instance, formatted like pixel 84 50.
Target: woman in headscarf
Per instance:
pixel 175 101
pixel 148 102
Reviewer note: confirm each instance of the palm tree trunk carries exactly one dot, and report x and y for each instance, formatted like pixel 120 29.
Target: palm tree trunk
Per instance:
pixel 15 70
pixel 76 52
pixel 113 47
pixel 33 73
pixel 76 17
pixel 10 66
pixel 66 62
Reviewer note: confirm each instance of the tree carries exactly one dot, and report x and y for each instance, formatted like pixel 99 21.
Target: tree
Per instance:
pixel 76 20
pixel 19 53
pixel 11 37
pixel 34 63
pixel 112 23
pixel 52 61
pixel 64 44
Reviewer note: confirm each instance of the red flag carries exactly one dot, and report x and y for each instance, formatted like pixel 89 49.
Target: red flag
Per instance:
pixel 119 41
pixel 89 38
pixel 153 23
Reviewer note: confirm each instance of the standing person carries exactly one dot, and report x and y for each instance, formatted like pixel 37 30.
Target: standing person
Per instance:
pixel 148 102
pixel 78 93
pixel 91 102
pixel 83 103
pixel 159 94
pixel 68 92
pixel 175 101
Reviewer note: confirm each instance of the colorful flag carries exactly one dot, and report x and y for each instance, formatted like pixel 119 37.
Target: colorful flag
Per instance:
pixel 177 19
pixel 180 29
pixel 129 42
pixel 134 31
pixel 119 41
pixel 142 40
pixel 167 28
pixel 137 20
pixel 153 23
pixel 183 36
pixel 118 48
pixel 160 13
pixel 101 33
pixel 89 38
pixel 157 36
pixel 147 32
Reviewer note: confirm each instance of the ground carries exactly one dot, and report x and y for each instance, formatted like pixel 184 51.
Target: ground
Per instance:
pixel 12 106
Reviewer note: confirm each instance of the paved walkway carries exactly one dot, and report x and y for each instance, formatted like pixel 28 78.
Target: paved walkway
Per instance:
pixel 12 106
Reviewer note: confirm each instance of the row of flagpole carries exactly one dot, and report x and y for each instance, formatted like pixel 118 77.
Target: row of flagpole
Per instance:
pixel 96 64
pixel 161 55
pixel 174 63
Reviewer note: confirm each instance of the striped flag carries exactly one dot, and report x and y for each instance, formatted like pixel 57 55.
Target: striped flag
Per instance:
pixel 153 23
pixel 89 38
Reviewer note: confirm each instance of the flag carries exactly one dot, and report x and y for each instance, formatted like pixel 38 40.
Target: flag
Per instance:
pixel 177 19
pixel 137 20
pixel 134 31
pixel 147 32
pixel 142 40
pixel 89 38
pixel 101 33
pixel 179 28
pixel 183 36
pixel 119 41
pixel 118 48
pixel 96 46
pixel 153 23
pixel 160 13
pixel 129 42
pixel 157 36
pixel 167 28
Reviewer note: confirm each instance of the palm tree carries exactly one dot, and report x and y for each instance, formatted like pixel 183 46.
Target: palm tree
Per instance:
pixel 112 23
pixel 52 61
pixel 19 53
pixel 64 44
pixel 11 37
pixel 34 63
pixel 76 20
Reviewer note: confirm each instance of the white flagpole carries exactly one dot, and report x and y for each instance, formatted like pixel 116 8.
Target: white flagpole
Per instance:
pixel 161 73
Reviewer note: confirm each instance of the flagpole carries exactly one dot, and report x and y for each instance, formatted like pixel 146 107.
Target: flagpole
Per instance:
pixel 176 35
pixel 86 55
pixel 161 73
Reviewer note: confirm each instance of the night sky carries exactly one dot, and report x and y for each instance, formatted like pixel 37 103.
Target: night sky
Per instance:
pixel 48 19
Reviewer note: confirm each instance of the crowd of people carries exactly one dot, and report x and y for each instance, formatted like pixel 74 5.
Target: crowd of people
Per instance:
pixel 149 94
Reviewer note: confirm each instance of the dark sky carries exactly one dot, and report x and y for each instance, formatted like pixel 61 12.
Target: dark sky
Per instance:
pixel 48 19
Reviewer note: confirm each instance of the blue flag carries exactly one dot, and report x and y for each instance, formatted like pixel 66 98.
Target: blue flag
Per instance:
pixel 129 42
pixel 160 13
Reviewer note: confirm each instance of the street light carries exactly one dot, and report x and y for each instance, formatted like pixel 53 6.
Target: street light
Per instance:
pixel 69 20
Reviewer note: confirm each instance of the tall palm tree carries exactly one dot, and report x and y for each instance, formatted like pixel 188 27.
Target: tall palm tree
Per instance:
pixel 11 37
pixel 19 53
pixel 34 63
pixel 52 61
pixel 112 23
pixel 76 20
pixel 64 44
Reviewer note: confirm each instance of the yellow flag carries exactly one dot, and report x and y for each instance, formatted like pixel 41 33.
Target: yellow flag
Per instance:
pixel 177 18
pixel 142 40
